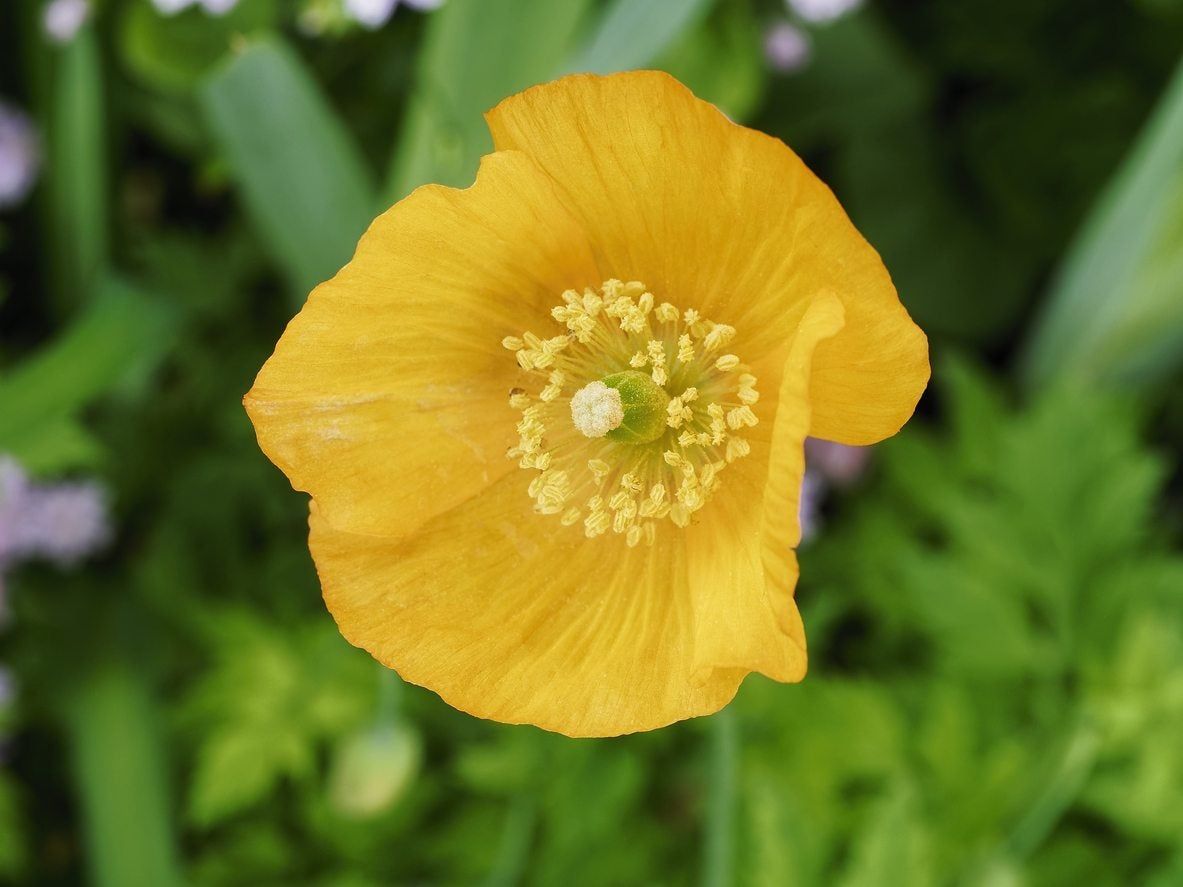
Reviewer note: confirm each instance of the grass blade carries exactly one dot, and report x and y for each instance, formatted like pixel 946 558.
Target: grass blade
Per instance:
pixel 1115 312
pixel 303 180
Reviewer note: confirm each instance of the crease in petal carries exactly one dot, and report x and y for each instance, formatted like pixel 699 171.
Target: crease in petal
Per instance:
pixel 727 219
pixel 386 395
pixel 743 570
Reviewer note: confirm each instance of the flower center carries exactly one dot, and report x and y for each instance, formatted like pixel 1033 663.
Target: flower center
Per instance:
pixel 637 411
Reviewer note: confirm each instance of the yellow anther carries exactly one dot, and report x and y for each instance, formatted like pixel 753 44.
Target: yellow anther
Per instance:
pixel 633 536
pixel 720 336
pixel 737 448
pixel 619 500
pixel 513 343
pixel 741 416
pixel 678 412
pixel 667 313
pixel 597 524
pixel 621 521
pixel 571 516
pixel 727 362
pixel 656 351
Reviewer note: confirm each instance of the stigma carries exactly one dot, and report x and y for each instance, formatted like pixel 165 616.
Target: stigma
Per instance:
pixel 632 413
pixel 596 409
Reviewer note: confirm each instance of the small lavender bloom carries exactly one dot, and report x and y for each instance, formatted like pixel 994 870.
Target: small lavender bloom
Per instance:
pixel 787 48
pixel 172 7
pixel 7 688
pixel 839 464
pixel 823 11
pixel 63 19
pixel 14 487
pixel 20 156
pixel 65 522
pixel 61 522
pixel 370 14
pixel 813 490
pixel 373 14
pixel 218 7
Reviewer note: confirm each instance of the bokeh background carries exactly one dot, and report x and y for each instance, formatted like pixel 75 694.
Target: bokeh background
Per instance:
pixel 994 598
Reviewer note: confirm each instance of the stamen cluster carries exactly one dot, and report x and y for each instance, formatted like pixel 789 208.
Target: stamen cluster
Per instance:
pixel 616 485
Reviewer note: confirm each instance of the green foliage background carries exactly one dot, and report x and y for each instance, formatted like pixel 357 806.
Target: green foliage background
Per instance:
pixel 995 611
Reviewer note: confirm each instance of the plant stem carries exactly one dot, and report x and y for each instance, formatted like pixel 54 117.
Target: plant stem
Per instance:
pixel 719 847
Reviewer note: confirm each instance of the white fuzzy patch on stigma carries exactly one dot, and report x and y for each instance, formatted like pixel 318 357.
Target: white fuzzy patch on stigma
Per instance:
pixel 596 409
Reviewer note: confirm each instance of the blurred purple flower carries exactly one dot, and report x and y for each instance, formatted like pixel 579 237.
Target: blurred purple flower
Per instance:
pixel 823 11
pixel 373 14
pixel 837 463
pixel 60 522
pixel 827 464
pixel 20 156
pixel 62 19
pixel 213 7
pixel 787 48
pixel 7 688
pixel 813 490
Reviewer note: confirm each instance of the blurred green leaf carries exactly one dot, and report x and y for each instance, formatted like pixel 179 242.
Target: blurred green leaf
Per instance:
pixel 78 174
pixel 303 180
pixel 173 52
pixel 120 769
pixel 631 34
pixel 478 52
pixel 475 53
pixel 13 853
pixel 270 700
pixel 1115 311
pixel 892 847
pixel 721 60
pixel 122 335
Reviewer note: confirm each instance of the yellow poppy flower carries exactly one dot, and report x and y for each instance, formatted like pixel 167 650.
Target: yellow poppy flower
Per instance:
pixel 552 424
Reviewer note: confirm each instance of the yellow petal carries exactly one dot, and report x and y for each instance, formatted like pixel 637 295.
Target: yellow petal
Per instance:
pixel 505 618
pixel 780 515
pixel 386 396
pixel 729 220
pixel 742 568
